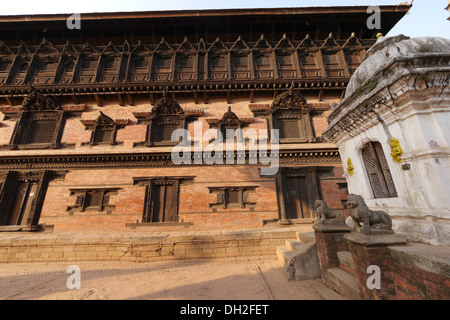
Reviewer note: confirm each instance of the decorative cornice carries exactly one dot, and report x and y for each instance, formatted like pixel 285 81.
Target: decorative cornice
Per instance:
pixel 289 100
pixel 229 118
pixel 326 156
pixel 104 120
pixel 166 106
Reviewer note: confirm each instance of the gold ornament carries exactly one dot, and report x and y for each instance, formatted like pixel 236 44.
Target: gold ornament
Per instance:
pixel 349 166
pixel 396 150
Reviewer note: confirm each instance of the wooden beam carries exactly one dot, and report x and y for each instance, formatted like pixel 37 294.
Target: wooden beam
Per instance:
pixel 252 96
pixel 130 99
pixel 120 98
pixel 9 101
pixel 228 96
pixel 196 97
pixel 74 98
pixel 320 96
pixel 98 100
pixel 152 98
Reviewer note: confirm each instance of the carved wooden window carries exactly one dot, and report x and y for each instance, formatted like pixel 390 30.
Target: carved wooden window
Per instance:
pixel 332 65
pixel 161 198
pixel 21 73
pixel 104 129
pixel 290 115
pixel 185 65
pixel 163 68
pixel 240 66
pixel 88 70
pixel 40 129
pixel 45 72
pixel 103 135
pixel 140 69
pixel 309 65
pixel 92 200
pixel 353 59
pixel 286 66
pixel 293 127
pixel 165 117
pixel 4 70
pixel 110 69
pixel 232 197
pixel 67 72
pixel 289 128
pixel 263 66
pixel 378 171
pixel 218 67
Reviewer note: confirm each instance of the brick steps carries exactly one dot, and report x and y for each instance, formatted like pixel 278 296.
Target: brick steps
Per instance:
pixel 345 283
pixel 343 279
pixel 328 294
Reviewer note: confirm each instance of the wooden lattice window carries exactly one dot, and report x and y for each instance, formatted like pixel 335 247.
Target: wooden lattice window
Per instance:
pixel 289 129
pixel 293 127
pixel 162 131
pixel 378 171
pixel 104 135
pixel 38 128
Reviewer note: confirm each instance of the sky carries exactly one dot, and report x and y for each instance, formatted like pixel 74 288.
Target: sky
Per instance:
pixel 426 18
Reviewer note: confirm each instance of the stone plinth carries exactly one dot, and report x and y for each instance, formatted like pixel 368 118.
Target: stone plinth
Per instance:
pixel 330 240
pixel 370 252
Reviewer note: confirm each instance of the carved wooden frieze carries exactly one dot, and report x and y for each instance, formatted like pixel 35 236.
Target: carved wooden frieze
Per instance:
pixel 68 65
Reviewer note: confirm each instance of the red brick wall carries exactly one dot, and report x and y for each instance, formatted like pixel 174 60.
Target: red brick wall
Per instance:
pixel 413 283
pixel 194 199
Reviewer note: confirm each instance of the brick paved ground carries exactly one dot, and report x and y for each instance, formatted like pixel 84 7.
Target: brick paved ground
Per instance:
pixel 180 280
pixel 244 278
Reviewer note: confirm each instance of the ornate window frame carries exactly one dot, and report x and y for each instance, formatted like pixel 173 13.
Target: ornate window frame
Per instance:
pixel 377 170
pixel 81 202
pixel 165 112
pixel 289 105
pixel 37 107
pixel 104 123
pixel 223 197
pixel 231 121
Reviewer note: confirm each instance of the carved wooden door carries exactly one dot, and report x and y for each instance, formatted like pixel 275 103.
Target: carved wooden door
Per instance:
pixel 298 200
pixel 20 210
pixel 164 202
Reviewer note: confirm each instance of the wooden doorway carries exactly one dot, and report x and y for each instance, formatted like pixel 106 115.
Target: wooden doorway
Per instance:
pixel 299 205
pixel 20 212
pixel 297 189
pixel 163 202
pixel 22 196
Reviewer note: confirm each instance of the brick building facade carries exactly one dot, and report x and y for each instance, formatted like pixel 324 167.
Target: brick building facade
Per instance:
pixel 88 115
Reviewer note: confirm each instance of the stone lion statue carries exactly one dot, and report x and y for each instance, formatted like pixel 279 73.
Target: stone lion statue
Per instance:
pixel 373 221
pixel 325 216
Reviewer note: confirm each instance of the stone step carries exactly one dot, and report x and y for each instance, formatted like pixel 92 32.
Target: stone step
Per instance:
pixel 305 237
pixel 344 283
pixel 293 245
pixel 346 261
pixel 328 294
pixel 284 255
